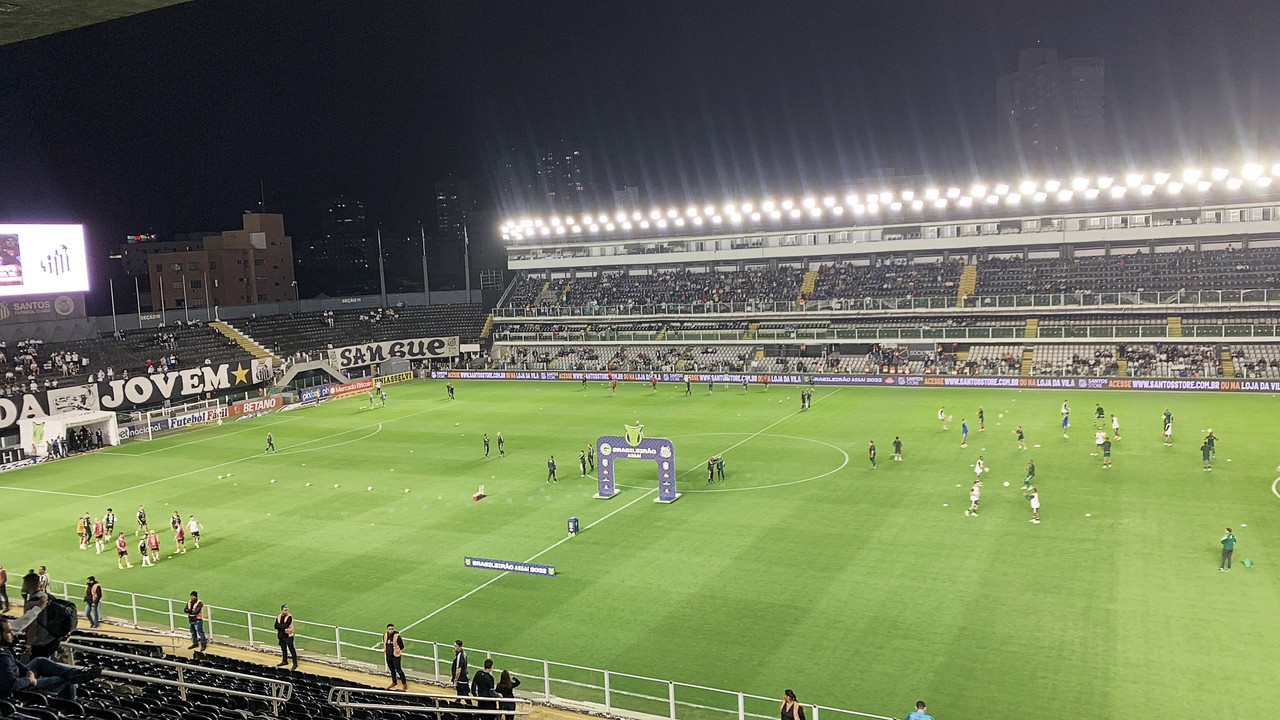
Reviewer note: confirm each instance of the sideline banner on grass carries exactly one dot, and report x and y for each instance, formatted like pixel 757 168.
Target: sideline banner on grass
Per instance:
pixel 416 349
pixel 1065 383
pixel 338 390
pixel 510 566
pixel 394 378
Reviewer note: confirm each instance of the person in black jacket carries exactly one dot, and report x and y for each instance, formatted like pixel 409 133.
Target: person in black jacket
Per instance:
pixel 506 688
pixel 284 633
pixel 482 686
pixel 459 669
pixel 393 646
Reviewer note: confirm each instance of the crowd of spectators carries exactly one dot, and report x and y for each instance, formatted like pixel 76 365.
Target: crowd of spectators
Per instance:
pixel 1167 359
pixel 892 277
pixel 1186 270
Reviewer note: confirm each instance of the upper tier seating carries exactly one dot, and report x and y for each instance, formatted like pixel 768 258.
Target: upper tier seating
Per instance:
pixel 1182 270
pixel 285 335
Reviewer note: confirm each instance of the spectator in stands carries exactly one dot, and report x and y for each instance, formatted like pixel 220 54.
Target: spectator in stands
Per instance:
pixel 791 708
pixel 459 669
pixel 919 713
pixel 4 588
pixel 284 633
pixel 41 673
pixel 506 688
pixel 195 619
pixel 483 686
pixel 393 648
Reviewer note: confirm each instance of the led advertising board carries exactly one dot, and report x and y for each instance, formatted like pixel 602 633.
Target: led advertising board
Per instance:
pixel 42 260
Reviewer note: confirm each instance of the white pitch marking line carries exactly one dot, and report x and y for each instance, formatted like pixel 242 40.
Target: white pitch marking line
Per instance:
pixel 561 541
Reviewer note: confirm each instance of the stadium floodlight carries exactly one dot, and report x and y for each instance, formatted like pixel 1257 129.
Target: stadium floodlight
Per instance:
pixel 1275 169
pixel 736 217
pixel 931 194
pixel 1204 185
pixel 662 222
pixel 859 209
pixel 1160 178
pixel 594 228
pixel 815 212
pixel 1133 180
pixel 655 214
pixel 1040 196
pixel 526 222
pixel 795 212
pixel 775 215
pixel 917 205
pixel 709 210
pixel 810 202
pixel 602 219
pixel 1219 174
pixel 965 201
pixel 691 211
pixel 1091 193
pixel 755 217
pixel 896 205
pixel 673 213
pixel 626 224
pixel 620 217
pixel 953 192
pixel 1013 198
pixel 609 227
pixel 644 224
pixel 1264 181
pixel 1002 189
pixel 1234 183
pixel 730 209
pixel 1118 191
pixel 1173 188
pixel 577 228
pixel 538 222
pixel 555 220
pixel 839 209
pixel 697 220
pixel 873 207
pixel 747 207
pixel 978 191
pixel 851 199
pixel 1190 175
pixel 1251 171
pixel 1051 186
pixel 679 222
pixel 1079 184
pixel 544 230
pixel 907 195
pixel 559 229
pixel 788 204
pixel 767 206
pixel 715 219
pixel 993 199
pixel 1064 195
pixel 506 236
pixel 1027 187
pixel 636 216
pixel 940 203
pixel 1147 189
pixel 886 197
pixel 828 201
pixel 1105 182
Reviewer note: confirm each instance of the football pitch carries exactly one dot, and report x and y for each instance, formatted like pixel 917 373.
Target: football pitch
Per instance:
pixel 859 588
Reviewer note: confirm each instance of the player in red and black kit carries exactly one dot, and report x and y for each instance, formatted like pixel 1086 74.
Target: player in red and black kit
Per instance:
pixel 653 382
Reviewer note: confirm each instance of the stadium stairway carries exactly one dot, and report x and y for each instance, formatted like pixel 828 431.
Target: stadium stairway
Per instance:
pixel 249 344
pixel 750 334
pixel 808 283
pixel 488 328
pixel 662 334
pixel 1122 367
pixel 1027 355
pixel 1228 367
pixel 968 283
pixel 1032 328
pixel 1175 326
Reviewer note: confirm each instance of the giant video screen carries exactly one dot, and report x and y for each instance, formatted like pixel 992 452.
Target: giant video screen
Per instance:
pixel 42 259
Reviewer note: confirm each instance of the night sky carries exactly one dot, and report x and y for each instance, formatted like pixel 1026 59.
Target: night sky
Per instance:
pixel 167 121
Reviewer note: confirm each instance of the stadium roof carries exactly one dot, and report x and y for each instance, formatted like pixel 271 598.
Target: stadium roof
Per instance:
pixel 1109 193
pixel 26 19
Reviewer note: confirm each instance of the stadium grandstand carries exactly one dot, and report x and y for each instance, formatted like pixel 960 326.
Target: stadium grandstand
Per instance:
pixel 1141 274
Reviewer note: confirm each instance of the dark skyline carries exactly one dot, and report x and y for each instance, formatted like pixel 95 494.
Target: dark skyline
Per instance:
pixel 167 121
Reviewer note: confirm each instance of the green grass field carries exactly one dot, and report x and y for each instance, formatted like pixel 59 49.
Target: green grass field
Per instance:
pixel 861 589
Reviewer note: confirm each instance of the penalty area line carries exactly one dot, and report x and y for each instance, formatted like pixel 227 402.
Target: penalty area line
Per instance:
pixel 531 558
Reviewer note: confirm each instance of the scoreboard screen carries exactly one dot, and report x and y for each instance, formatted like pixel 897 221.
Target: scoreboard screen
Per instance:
pixel 42 260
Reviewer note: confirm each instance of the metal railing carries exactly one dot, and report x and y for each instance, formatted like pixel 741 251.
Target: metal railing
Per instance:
pixel 342 698
pixel 1113 299
pixel 550 682
pixel 277 691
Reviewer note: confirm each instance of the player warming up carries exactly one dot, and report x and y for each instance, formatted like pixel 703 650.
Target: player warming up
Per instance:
pixel 897 449
pixel 942 417
pixel 551 470
pixel 975 494
pixel 271 445
pixel 1115 428
pixel 1022 440
pixel 1034 497
pixel 1031 475
pixel 964 433
pixel 871 450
